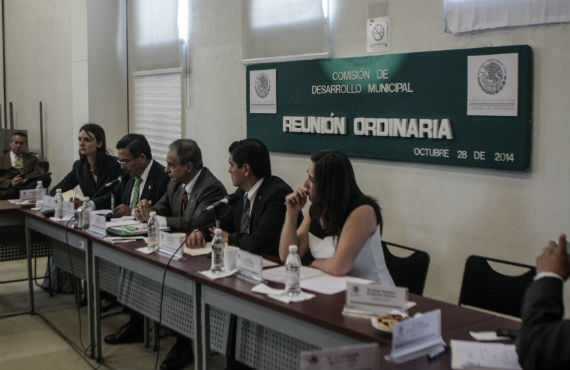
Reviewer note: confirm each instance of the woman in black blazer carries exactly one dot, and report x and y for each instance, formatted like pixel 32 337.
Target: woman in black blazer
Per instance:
pixel 94 168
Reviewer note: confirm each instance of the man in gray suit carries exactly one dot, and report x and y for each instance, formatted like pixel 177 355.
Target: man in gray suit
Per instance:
pixel 191 189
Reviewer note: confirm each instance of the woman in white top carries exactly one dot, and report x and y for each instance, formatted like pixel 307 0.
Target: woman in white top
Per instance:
pixel 342 227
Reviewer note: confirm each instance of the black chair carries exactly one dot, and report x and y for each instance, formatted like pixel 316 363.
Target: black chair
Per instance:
pixel 486 288
pixel 410 271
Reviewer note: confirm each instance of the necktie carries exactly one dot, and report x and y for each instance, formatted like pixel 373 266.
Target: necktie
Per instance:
pixel 184 201
pixel 135 197
pixel 245 216
pixel 19 163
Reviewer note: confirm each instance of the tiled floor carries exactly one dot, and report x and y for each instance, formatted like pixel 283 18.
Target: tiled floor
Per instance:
pixel 57 337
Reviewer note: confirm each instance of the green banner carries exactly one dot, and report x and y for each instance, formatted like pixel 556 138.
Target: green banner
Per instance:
pixel 469 107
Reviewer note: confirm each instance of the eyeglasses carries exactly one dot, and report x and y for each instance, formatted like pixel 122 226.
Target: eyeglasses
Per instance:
pixel 124 161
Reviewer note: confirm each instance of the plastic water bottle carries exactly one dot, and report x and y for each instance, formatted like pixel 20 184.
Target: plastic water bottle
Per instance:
pixel 84 214
pixel 218 246
pixel 293 269
pixel 39 195
pixel 152 231
pixel 58 204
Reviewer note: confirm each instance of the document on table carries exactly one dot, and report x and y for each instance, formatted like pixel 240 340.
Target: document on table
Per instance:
pixel 314 279
pixel 198 251
pixel 474 355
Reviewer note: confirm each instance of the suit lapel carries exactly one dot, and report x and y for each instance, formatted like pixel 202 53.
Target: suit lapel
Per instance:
pixel 5 161
pixel 148 185
pixel 195 190
pixel 177 200
pixel 257 204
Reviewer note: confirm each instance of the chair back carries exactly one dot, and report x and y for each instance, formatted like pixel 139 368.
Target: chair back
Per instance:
pixel 410 271
pixel 486 288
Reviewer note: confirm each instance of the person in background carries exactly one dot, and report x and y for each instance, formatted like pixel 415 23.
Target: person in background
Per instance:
pixel 147 177
pixel 19 169
pixel 254 220
pixel 94 168
pixel 342 227
pixel 544 341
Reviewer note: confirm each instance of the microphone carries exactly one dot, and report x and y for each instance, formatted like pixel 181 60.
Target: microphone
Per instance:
pixel 103 189
pixel 222 202
pixel 118 180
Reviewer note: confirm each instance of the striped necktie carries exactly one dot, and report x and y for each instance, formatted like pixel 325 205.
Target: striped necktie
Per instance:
pixel 184 201
pixel 136 188
pixel 245 218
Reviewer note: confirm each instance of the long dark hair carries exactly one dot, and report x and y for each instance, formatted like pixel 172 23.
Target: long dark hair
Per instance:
pixel 335 187
pixel 101 155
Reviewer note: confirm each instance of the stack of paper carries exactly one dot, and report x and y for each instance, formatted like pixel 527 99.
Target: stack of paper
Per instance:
pixel 314 279
pixel 474 355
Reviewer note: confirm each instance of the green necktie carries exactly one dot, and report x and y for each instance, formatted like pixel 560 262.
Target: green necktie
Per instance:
pixel 136 188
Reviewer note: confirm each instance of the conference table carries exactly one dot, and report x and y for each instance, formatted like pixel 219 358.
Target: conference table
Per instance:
pixel 268 333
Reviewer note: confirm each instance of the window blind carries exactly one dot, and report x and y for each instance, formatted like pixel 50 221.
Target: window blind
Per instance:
pixel 158 109
pixel 275 30
pixel 474 15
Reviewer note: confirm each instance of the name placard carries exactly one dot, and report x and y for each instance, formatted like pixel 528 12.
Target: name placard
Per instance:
pixel 171 244
pixel 361 356
pixel 49 203
pixel 375 298
pixel 28 194
pixel 249 265
pixel 68 209
pixel 98 224
pixel 416 337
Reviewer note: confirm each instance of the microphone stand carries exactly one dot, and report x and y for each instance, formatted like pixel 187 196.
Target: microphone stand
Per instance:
pixel 113 188
pixel 218 215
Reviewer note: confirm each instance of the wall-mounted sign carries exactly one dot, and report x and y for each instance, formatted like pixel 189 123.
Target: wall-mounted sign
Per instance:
pixel 377 34
pixel 263 91
pixel 469 107
pixel 492 87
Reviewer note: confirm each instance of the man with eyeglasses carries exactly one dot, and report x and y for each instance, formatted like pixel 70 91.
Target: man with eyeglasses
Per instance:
pixel 147 177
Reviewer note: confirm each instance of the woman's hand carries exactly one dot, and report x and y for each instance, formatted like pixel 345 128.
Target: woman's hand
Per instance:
pixel 296 200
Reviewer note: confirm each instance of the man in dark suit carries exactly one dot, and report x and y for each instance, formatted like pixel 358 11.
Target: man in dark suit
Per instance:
pixel 19 169
pixel 147 181
pixel 147 177
pixel 544 342
pixel 254 221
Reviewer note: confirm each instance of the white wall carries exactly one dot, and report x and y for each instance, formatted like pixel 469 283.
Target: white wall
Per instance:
pixel 71 56
pixel 38 68
pixel 106 40
pixel 451 212
pixel 99 68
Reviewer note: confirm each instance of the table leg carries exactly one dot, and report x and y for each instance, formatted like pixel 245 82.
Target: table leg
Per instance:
pixel 29 253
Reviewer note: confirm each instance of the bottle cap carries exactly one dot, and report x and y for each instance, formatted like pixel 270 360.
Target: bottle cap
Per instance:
pixel 39 182
pixel 152 214
pixel 86 199
pixel 58 190
pixel 292 249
